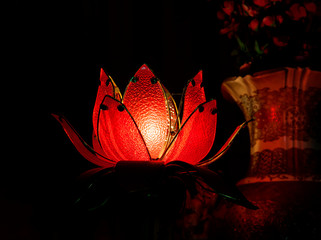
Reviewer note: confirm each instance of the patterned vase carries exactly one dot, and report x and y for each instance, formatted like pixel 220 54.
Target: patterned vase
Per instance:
pixel 284 175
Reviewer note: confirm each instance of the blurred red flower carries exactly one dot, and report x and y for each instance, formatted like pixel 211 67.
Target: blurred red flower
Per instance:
pixel 254 24
pixel 249 10
pixel 280 41
pixel 228 7
pixel 268 21
pixel 296 12
pixel 261 3
pixel 310 7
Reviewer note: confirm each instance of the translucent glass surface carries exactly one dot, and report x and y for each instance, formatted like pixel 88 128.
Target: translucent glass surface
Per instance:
pixel 225 147
pixel 118 134
pixel 196 137
pixel 83 148
pixel 96 146
pixel 172 114
pixel 146 101
pixel 106 87
pixel 193 95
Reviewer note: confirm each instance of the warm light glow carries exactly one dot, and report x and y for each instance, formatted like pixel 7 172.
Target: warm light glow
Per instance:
pixel 144 124
pixel 141 135
pixel 146 101
pixel 151 132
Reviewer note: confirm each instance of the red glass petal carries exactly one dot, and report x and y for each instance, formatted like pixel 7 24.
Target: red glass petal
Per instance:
pixel 146 101
pixel 107 87
pixel 83 148
pixel 118 134
pixel 173 116
pixel 85 175
pixel 225 147
pixel 193 95
pixel 196 137
pixel 96 146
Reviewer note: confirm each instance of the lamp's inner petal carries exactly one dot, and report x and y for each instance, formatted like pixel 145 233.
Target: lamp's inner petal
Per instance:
pixel 118 134
pixel 193 96
pixel 196 136
pixel 146 101
pixel 173 116
pixel 107 87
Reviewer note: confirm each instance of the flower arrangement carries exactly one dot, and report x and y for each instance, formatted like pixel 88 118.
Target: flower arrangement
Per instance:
pixel 262 28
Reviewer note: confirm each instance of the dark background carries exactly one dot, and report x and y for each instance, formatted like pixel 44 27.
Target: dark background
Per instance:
pixel 53 52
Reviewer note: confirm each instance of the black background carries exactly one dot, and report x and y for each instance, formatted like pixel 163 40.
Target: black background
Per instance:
pixel 53 52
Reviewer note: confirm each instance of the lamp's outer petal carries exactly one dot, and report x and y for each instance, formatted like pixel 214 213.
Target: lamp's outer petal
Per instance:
pixel 83 148
pixel 96 146
pixel 225 147
pixel 193 95
pixel 196 136
pixel 118 134
pixel 146 101
pixel 107 87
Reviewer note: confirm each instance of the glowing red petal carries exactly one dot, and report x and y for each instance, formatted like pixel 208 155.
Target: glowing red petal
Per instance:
pixel 193 95
pixel 173 116
pixel 146 101
pixel 87 174
pixel 196 137
pixel 106 87
pixel 225 147
pixel 96 146
pixel 83 148
pixel 118 134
